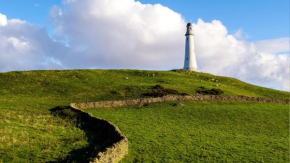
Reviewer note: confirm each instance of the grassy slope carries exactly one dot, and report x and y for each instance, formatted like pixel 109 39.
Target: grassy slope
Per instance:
pixel 203 131
pixel 29 131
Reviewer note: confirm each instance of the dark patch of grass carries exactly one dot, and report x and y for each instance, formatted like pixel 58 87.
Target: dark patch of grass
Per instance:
pixel 184 94
pixel 213 91
pixel 184 71
pixel 160 91
pixel 158 87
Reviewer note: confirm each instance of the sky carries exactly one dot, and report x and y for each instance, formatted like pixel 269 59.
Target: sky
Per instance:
pixel 248 40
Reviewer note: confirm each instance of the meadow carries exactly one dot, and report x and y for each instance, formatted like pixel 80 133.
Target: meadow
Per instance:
pixel 30 131
pixel 203 131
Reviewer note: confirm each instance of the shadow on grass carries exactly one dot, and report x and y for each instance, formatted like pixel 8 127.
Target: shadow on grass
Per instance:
pixel 99 134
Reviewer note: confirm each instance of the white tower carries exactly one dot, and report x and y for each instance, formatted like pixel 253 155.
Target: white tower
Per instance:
pixel 189 60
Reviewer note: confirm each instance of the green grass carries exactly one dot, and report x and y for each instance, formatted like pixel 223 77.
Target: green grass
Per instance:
pixel 203 131
pixel 29 132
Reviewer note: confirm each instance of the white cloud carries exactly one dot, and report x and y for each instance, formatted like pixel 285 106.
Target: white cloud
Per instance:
pixel 264 63
pixel 121 34
pixel 3 20
pixel 268 65
pixel 241 35
pixel 238 34
pixel 24 46
pixel 217 51
pixel 274 46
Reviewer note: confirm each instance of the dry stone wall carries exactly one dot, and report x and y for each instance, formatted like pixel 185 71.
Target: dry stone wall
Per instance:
pixel 118 150
pixel 141 101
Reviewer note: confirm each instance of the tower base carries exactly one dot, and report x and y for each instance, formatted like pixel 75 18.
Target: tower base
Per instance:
pixel 191 68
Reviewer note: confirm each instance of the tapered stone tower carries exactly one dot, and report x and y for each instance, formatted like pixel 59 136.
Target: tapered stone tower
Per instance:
pixel 189 60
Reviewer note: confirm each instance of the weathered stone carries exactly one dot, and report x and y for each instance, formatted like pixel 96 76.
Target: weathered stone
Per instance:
pixel 117 151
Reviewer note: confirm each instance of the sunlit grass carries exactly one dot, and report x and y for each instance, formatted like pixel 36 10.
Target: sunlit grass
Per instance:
pixel 28 130
pixel 203 131
pixel 36 136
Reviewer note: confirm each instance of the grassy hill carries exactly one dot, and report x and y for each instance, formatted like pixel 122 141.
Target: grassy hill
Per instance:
pixel 30 132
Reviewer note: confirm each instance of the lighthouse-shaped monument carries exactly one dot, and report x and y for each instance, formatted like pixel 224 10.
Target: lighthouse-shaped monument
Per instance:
pixel 189 60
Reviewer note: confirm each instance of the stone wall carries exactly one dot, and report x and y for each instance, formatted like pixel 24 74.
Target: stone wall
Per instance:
pixel 141 101
pixel 118 150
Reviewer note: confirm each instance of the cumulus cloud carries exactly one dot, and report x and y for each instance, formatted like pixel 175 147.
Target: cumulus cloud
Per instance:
pixel 24 46
pixel 268 64
pixel 264 63
pixel 217 51
pixel 129 34
pixel 3 20
pixel 274 46
pixel 121 34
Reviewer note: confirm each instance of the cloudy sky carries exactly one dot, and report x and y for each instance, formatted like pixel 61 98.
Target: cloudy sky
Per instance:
pixel 242 39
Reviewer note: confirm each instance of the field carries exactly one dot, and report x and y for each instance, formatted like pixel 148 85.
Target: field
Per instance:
pixel 31 132
pixel 203 131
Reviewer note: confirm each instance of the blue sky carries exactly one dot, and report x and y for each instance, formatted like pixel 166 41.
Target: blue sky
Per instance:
pixel 259 19
pixel 244 39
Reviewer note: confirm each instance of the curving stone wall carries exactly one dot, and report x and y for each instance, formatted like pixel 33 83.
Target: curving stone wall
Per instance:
pixel 141 101
pixel 118 150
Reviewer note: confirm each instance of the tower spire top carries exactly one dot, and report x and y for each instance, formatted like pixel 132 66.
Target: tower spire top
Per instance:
pixel 189 29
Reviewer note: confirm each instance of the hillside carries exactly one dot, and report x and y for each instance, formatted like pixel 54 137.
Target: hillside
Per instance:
pixel 29 130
